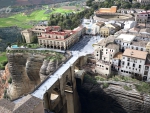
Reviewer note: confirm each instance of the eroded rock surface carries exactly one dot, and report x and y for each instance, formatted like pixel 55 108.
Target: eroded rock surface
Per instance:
pixel 113 99
pixel 24 70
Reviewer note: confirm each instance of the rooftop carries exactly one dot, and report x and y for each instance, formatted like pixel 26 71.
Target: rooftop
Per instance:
pixel 135 29
pixel 62 33
pixel 118 55
pixel 135 54
pixel 126 37
pixel 6 106
pixel 27 104
pixel 139 43
pixel 112 46
pixel 145 30
pixel 104 41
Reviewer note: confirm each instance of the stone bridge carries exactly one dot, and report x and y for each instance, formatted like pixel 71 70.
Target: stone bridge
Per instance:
pixel 58 91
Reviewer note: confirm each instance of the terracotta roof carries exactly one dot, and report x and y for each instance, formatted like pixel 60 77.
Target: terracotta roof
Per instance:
pixel 118 55
pixel 135 54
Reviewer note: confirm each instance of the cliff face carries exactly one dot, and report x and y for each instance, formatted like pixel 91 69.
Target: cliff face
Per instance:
pixel 113 99
pixel 47 68
pixel 5 75
pixel 24 70
pixel 28 70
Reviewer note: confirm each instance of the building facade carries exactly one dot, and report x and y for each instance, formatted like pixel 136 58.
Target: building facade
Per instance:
pixel 132 63
pixel 62 39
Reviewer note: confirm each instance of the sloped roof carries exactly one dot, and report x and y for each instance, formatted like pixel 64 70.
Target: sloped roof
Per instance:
pixel 135 53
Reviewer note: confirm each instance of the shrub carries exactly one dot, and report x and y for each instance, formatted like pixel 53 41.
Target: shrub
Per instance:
pixel 10 80
pixel 4 63
pixel 143 87
pixel 89 79
pixel 116 78
pixel 105 85
pixel 127 88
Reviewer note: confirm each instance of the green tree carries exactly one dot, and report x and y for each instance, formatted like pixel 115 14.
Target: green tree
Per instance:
pixel 34 39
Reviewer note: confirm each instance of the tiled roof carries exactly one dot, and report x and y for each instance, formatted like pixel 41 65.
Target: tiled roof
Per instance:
pixel 135 53
pixel 139 43
pixel 6 106
pixel 27 104
pixel 118 55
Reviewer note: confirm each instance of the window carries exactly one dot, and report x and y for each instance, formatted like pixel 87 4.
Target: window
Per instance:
pixel 133 65
pixel 146 67
pixel 106 50
pixel 141 49
pixel 128 59
pixel 121 70
pixel 97 54
pixel 122 62
pixel 132 47
pixel 128 63
pixel 106 68
pixel 136 48
pixel 139 66
pixel 145 72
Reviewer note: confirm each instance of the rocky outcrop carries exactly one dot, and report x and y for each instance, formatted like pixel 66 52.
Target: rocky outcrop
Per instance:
pixel 4 78
pixel 24 70
pixel 114 99
pixel 47 68
pixel 28 70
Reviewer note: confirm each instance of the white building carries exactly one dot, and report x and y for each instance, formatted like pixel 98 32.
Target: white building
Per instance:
pixel 116 62
pixel 141 17
pixel 132 63
pixel 144 2
pixel 109 51
pixel 124 40
pixel 138 45
pixel 103 66
pixel 91 27
pixel 129 24
pixel 146 76
pixel 99 47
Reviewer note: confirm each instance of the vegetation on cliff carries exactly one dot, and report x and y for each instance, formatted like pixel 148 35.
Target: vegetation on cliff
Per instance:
pixel 117 95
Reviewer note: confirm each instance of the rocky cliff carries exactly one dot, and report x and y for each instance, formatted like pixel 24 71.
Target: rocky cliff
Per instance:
pixel 27 71
pixel 112 99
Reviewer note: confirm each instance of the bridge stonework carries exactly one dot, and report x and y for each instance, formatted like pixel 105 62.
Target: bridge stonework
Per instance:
pixel 62 97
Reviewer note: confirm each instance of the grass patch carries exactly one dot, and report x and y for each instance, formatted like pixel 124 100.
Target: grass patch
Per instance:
pixel 143 87
pixel 127 88
pixel 33 46
pixel 22 20
pixel 105 85
pixel 99 78
pixel 3 60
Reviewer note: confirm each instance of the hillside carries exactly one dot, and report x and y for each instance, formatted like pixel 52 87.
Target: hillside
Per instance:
pixel 6 3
